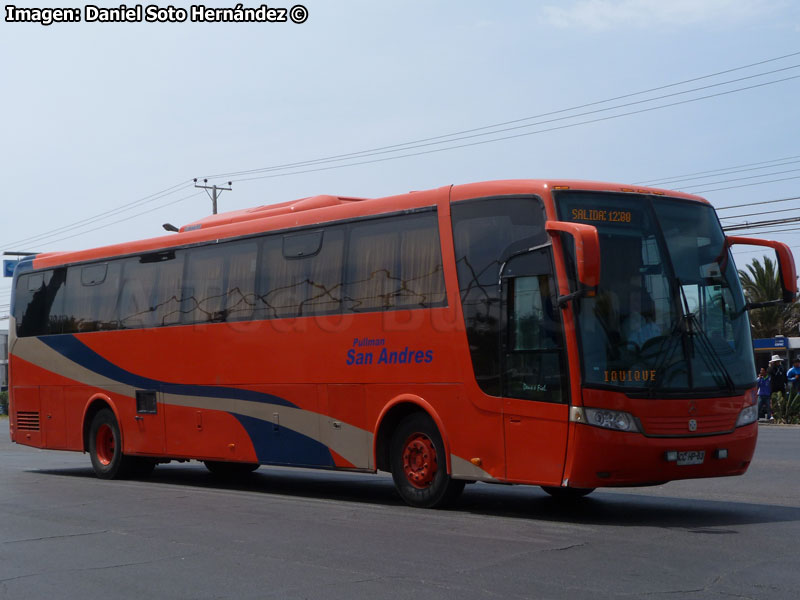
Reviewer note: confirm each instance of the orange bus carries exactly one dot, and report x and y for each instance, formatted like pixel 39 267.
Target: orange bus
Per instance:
pixel 565 334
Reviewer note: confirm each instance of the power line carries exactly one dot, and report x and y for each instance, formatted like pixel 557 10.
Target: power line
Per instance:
pixel 502 124
pixel 700 185
pixel 411 145
pixel 122 220
pixel 761 224
pixel 101 216
pixel 423 143
pixel 758 214
pixel 758 203
pixel 686 176
pixel 772 231
pixel 519 135
pixel 762 251
pixel 736 187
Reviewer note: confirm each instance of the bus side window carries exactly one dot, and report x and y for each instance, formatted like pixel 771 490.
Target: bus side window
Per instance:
pixel 241 281
pixel 373 276
pixel 30 309
pixel 91 297
pixel 421 262
pixel 150 290
pixel 486 232
pixel 532 369
pixel 38 303
pixel 136 293
pixel 202 297
pixel 533 342
pixel 219 284
pixel 301 274
pixel 134 301
pixel 393 263
pixel 167 300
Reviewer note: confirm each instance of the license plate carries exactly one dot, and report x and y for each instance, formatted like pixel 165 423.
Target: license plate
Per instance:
pixel 691 457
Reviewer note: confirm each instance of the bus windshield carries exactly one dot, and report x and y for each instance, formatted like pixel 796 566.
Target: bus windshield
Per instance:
pixel 669 313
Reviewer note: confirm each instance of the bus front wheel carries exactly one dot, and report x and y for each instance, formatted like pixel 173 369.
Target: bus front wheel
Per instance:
pixel 419 464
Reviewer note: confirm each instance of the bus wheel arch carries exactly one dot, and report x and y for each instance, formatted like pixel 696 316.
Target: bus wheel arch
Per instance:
pixel 96 403
pixel 411 443
pixel 390 418
pixel 417 458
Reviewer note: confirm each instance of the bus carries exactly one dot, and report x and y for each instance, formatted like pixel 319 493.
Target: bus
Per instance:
pixel 565 334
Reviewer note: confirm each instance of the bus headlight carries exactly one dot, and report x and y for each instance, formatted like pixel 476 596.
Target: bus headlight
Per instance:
pixel 607 419
pixel 748 415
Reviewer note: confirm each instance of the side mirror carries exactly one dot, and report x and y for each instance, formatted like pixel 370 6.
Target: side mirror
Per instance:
pixel 786 268
pixel 587 251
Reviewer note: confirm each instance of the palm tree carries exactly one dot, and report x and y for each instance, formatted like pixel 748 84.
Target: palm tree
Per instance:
pixel 760 284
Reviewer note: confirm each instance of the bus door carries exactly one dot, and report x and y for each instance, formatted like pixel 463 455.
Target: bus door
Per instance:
pixel 533 367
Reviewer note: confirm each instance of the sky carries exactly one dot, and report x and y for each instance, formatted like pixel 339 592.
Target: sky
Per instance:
pixel 104 125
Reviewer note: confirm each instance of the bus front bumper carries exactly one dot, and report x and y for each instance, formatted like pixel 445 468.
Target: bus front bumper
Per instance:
pixel 604 458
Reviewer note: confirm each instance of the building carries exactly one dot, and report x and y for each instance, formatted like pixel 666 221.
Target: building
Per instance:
pixel 788 348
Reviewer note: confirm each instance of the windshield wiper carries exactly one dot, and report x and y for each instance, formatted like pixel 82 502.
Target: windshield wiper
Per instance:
pixel 674 338
pixel 694 327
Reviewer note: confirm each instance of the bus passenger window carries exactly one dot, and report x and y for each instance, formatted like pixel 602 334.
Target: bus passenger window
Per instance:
pixel 202 297
pixel 167 302
pixel 394 263
pixel 301 274
pixel 241 281
pixel 30 303
pixel 134 297
pixel 39 302
pixel 220 283
pixel 150 290
pixel 91 298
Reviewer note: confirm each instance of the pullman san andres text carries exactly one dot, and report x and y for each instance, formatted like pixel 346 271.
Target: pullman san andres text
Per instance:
pixel 358 355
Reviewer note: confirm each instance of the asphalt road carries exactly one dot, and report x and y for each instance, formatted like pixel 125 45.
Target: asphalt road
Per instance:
pixel 305 534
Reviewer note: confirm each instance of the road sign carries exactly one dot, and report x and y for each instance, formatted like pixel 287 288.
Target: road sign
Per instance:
pixel 8 267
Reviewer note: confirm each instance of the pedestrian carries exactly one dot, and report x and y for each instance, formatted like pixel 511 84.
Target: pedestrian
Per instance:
pixel 777 375
pixel 777 381
pixel 793 376
pixel 764 394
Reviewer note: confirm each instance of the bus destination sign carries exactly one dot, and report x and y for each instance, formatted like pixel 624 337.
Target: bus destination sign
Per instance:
pixel 601 215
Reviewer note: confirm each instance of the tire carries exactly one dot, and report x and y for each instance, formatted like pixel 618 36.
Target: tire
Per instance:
pixel 567 494
pixel 105 448
pixel 230 469
pixel 419 464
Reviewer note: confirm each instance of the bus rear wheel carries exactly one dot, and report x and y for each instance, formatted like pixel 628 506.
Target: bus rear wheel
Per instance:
pixel 230 469
pixel 105 450
pixel 419 464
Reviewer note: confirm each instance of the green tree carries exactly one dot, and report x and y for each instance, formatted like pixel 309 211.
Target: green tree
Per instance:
pixel 760 284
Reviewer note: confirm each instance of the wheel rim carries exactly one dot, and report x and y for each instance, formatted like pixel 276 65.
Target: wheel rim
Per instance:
pixel 104 444
pixel 419 460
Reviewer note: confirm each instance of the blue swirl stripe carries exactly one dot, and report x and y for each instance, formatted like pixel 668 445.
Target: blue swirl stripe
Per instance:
pixel 78 352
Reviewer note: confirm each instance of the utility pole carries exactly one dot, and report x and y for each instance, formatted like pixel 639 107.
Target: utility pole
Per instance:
pixel 215 192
